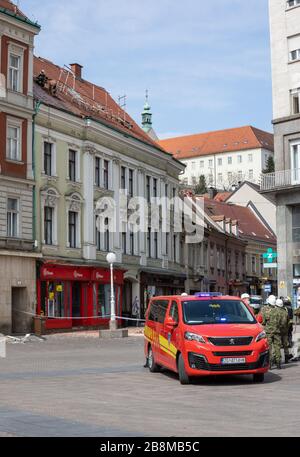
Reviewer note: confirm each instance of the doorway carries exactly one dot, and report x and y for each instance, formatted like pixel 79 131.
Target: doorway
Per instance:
pixel 20 322
pixel 76 302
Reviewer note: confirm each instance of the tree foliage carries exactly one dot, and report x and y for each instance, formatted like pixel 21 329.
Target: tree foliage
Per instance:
pixel 270 167
pixel 201 187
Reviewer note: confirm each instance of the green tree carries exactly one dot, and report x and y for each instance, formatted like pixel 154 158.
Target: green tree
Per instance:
pixel 270 167
pixel 201 187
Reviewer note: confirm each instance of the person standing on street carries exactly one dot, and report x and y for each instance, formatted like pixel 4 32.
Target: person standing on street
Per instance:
pixel 288 306
pixel 246 299
pixel 272 324
pixel 284 329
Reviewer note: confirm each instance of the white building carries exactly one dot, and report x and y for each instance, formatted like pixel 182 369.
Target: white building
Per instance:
pixel 224 157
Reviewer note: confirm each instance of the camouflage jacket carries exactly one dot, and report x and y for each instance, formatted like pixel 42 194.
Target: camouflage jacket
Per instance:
pixel 272 319
pixel 284 324
pixel 297 312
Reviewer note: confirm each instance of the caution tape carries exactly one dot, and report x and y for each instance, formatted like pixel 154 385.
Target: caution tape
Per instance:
pixel 107 316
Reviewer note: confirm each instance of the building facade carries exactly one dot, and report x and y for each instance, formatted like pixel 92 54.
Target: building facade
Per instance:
pixel 87 150
pixel 224 157
pixel 17 256
pixel 284 184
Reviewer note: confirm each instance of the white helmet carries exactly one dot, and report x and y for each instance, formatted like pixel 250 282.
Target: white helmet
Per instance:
pixel 271 300
pixel 279 303
pixel 184 294
pixel 245 296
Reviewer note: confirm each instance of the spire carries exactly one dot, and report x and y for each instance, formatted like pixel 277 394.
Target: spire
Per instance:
pixel 147 115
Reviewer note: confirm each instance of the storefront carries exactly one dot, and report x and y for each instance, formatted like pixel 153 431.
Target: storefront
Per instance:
pixel 75 296
pixel 159 284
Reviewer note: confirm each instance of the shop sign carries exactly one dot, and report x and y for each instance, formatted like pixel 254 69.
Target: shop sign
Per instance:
pixel 270 259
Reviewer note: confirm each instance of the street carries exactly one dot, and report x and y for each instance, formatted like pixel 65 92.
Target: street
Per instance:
pixel 84 386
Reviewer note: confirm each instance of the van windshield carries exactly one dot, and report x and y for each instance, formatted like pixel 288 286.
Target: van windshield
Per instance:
pixel 197 312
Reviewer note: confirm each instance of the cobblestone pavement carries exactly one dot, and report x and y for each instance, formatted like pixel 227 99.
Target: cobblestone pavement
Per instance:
pixel 72 385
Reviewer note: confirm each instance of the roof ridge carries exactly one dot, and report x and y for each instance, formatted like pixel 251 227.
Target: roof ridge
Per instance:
pixel 210 132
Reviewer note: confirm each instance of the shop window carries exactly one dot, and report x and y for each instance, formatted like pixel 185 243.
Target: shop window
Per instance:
pixel 102 299
pixel 55 299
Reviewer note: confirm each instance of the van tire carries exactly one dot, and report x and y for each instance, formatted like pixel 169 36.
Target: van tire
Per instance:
pixel 152 365
pixel 258 377
pixel 183 377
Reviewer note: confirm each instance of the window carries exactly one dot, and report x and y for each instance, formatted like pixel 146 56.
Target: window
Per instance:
pixel 240 175
pixel 220 162
pixel 229 160
pixel 123 178
pixel 105 174
pixel 239 159
pixel 48 225
pixel 131 243
pixel 174 311
pixel 155 245
pixel 296 224
pixel 148 189
pixel 229 174
pixel 98 171
pixel 201 163
pixel 130 190
pixel 154 187
pixel 149 242
pixel 220 177
pixel 48 158
pixel 14 72
pixel 12 217
pixel 13 142
pixel 250 157
pixel 73 218
pixel 210 163
pixel 294 55
pixel 250 174
pixel 124 242
pixel 291 3
pixel 72 165
pixel 253 264
pixel 295 101
pixel 167 243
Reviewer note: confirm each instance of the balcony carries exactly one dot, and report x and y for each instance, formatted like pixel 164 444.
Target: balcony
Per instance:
pixel 280 179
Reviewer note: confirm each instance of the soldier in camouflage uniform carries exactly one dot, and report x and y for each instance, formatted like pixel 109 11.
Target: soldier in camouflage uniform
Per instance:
pixel 284 329
pixel 272 324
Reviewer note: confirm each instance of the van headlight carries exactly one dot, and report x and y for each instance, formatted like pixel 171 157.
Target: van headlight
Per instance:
pixel 194 337
pixel 261 336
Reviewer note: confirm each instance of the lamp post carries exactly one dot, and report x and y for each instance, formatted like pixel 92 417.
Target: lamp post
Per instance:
pixel 111 259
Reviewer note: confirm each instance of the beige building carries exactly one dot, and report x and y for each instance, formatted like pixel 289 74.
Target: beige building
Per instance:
pixel 17 256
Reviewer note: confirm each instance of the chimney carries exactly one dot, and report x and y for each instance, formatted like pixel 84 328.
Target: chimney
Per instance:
pixel 212 192
pixel 77 70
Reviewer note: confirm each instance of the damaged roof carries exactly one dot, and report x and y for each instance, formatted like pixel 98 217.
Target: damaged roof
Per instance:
pixel 82 98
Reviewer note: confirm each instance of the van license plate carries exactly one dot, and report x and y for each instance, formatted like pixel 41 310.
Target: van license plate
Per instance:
pixel 233 361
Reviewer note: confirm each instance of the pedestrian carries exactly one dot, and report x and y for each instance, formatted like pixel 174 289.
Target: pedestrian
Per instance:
pixel 272 324
pixel 288 306
pixel 246 299
pixel 284 329
pixel 136 310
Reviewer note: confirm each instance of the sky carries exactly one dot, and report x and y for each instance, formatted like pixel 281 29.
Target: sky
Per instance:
pixel 206 64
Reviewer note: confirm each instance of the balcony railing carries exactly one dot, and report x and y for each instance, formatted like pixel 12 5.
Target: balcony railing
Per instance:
pixel 279 179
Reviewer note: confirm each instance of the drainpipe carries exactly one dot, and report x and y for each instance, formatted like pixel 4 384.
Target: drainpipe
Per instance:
pixel 37 106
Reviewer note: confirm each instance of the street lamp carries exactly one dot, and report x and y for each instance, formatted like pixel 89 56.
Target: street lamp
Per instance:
pixel 111 258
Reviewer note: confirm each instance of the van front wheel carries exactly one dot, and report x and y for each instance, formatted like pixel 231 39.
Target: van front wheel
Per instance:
pixel 183 377
pixel 153 367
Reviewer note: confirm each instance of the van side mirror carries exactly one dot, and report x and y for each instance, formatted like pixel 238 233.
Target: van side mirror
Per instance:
pixel 170 323
pixel 259 318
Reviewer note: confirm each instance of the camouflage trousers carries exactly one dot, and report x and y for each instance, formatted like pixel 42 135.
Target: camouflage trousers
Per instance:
pixel 285 343
pixel 274 340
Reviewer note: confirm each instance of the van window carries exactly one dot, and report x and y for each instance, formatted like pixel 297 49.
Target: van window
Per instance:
pixel 158 311
pixel 174 311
